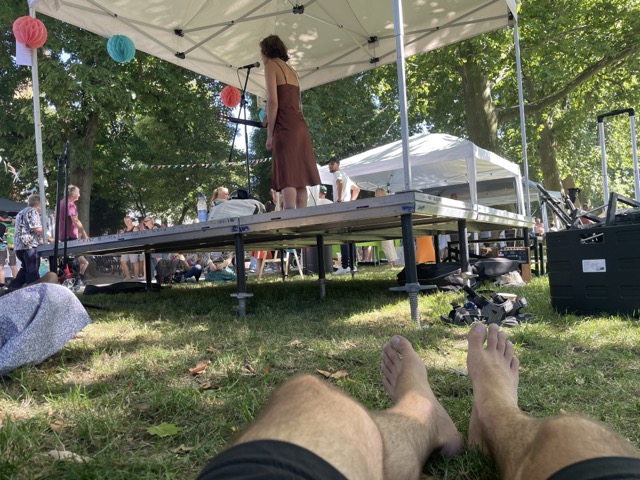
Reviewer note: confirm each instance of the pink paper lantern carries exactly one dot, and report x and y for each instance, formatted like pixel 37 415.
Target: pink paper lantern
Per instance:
pixel 30 31
pixel 230 96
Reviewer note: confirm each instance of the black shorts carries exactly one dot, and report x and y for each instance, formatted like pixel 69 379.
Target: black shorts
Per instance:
pixel 601 468
pixel 269 459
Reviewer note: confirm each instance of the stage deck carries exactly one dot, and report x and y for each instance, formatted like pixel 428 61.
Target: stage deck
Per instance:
pixel 362 220
pixel 368 219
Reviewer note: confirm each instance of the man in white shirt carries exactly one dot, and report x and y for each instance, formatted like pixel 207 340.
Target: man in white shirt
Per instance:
pixel 344 190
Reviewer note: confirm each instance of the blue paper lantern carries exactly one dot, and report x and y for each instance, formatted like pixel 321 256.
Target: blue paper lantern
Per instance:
pixel 261 114
pixel 121 48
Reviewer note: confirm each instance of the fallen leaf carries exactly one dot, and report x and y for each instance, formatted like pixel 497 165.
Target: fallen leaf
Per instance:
pixel 200 367
pixel 57 426
pixel 66 455
pixel 338 374
pixel 182 449
pixel 248 368
pixel 164 430
pixel 260 350
pixel 212 349
pixel 206 386
pixel 295 343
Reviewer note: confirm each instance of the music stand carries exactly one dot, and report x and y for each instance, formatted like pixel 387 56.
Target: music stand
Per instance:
pixel 242 118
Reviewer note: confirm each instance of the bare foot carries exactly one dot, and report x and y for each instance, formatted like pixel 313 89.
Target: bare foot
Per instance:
pixel 405 379
pixel 494 376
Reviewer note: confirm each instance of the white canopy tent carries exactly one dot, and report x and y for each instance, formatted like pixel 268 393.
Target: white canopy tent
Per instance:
pixel 437 160
pixel 327 39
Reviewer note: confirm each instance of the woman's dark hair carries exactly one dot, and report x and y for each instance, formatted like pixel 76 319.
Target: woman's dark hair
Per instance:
pixel 273 47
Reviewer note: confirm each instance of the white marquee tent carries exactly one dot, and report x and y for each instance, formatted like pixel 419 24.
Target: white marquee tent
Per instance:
pixel 437 160
pixel 327 39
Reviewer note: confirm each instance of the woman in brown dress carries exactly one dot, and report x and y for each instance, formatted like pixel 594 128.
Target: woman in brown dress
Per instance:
pixel 293 166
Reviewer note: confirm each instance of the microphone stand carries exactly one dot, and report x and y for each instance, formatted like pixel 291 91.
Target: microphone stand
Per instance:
pixel 63 178
pixel 243 114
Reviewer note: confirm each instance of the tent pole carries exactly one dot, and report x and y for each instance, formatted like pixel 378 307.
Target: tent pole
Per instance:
pixel 402 90
pixel 523 126
pixel 36 121
pixel 412 286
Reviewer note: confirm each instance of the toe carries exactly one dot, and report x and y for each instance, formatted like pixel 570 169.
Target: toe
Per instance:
pixel 477 336
pixel 502 342
pixel 492 336
pixel 400 344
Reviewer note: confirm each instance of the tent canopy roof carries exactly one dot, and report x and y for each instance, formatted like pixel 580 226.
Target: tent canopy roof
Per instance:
pixel 327 39
pixel 437 160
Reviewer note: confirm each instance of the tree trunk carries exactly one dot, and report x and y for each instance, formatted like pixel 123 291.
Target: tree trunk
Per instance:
pixel 548 161
pixel 482 120
pixel 81 169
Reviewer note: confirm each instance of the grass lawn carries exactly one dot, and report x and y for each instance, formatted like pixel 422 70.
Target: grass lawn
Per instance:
pixel 128 371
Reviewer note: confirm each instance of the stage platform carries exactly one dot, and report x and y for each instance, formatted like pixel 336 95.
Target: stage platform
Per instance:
pixel 377 218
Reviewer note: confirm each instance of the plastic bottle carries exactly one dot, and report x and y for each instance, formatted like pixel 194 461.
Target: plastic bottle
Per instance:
pixel 202 208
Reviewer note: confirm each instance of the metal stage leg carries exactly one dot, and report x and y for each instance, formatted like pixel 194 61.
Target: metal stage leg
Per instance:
pixel 412 287
pixel 464 245
pixel 352 257
pixel 241 294
pixel 321 276
pixel 147 269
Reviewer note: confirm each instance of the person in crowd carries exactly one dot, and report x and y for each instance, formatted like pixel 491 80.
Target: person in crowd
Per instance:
pixel 148 224
pixel 294 166
pixel 28 235
pixel 219 195
pixel 322 196
pixel 190 267
pixel 136 259
pixel 388 246
pixel 344 190
pixel 70 227
pixel 291 437
pixel 7 253
pixel 219 267
pixel 538 227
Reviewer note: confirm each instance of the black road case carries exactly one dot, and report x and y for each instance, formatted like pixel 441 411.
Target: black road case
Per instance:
pixel 595 270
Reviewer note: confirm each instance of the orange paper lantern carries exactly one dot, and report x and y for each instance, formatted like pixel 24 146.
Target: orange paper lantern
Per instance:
pixel 30 31
pixel 230 96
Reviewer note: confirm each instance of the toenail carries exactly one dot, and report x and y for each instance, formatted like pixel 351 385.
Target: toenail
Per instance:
pixel 395 340
pixel 478 327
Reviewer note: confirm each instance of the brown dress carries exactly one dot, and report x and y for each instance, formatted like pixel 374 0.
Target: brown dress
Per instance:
pixel 293 164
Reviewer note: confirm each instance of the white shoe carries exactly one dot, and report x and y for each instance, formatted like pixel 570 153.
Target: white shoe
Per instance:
pixel 341 271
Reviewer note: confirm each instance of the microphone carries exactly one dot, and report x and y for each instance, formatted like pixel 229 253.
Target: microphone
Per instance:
pixel 250 66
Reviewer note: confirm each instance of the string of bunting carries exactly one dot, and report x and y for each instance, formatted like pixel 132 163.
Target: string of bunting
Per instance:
pixel 254 161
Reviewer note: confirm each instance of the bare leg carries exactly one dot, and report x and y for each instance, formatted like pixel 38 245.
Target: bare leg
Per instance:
pixel 363 445
pixel 124 267
pixel 83 263
pixel 301 197
pixel 524 447
pixel 136 269
pixel 417 424
pixel 289 195
pixel 311 413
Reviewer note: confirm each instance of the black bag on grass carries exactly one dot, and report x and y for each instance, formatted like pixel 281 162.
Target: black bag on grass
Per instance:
pixel 493 267
pixel 446 276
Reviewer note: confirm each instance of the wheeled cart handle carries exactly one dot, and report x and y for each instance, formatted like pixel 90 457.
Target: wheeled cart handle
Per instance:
pixel 613 113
